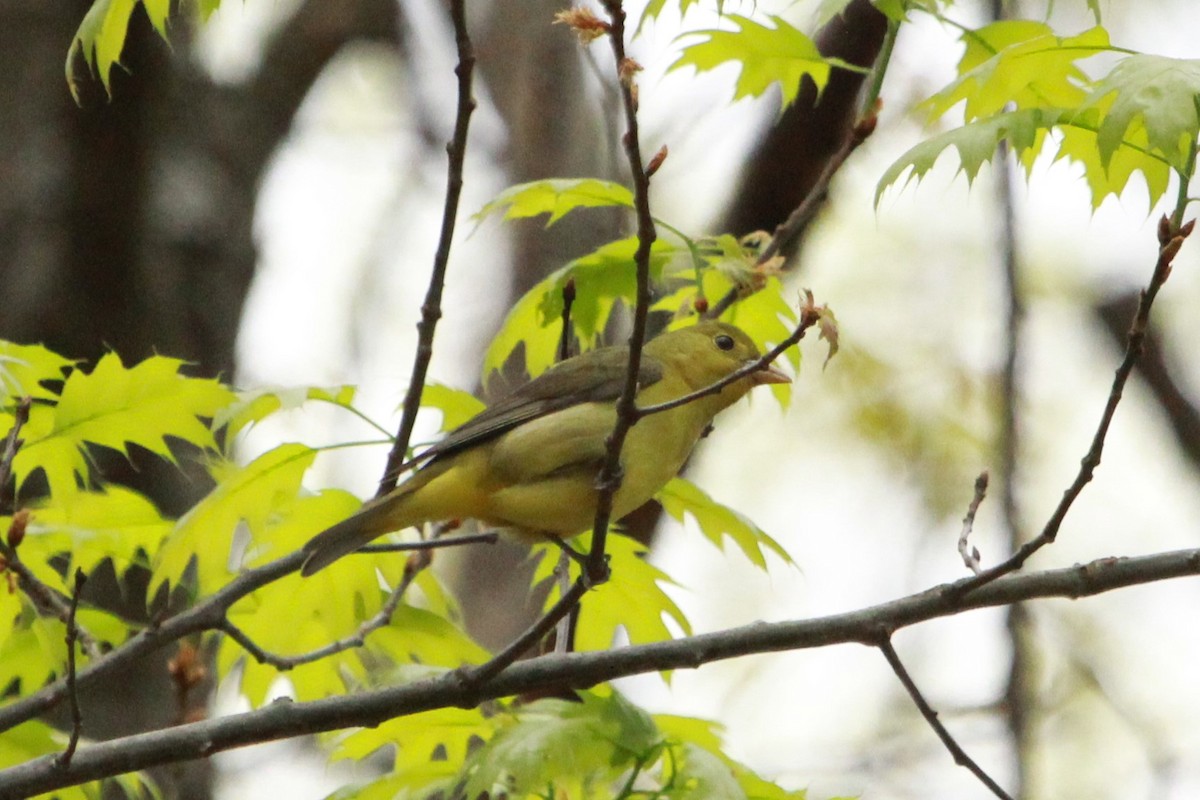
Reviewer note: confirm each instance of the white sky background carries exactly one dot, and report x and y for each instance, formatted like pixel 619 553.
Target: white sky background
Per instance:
pixel 347 225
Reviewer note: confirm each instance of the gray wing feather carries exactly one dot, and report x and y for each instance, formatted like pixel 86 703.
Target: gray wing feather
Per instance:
pixel 595 376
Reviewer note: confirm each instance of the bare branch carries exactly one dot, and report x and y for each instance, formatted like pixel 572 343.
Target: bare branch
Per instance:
pixel 580 670
pixel 803 213
pixel 431 309
pixel 1171 239
pixel 64 758
pixel 960 756
pixel 970 555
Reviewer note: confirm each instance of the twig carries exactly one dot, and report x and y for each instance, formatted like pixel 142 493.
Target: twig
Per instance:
pixel 1171 238
pixel 609 478
pixel 788 229
pixel 532 635
pixel 64 758
pixel 377 620
pixel 960 756
pixel 187 671
pixel 578 670
pixel 970 555
pixel 431 309
pixel 568 298
pixel 12 443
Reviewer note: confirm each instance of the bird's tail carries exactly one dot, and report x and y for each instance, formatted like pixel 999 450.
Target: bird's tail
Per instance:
pixel 371 521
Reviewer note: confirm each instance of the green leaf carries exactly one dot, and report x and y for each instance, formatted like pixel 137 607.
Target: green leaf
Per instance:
pixel 655 7
pixel 556 197
pixel 254 405
pixel 976 144
pixel 555 741
pixel 23 368
pixel 114 407
pixel 1020 62
pixel 766 55
pixel 633 598
pixel 716 521
pixel 113 523
pixel 535 322
pixel 444 736
pixel 703 776
pixel 1154 102
pixel 101 36
pixel 1025 131
pixel 264 498
pixel 423 637
pixel 457 406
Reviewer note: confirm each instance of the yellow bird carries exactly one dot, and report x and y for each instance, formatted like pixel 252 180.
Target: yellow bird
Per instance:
pixel 529 462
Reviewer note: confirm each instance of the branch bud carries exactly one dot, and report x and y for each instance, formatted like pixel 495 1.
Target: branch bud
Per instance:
pixel 586 26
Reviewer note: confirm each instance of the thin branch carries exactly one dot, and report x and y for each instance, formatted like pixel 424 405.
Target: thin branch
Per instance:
pixel 12 443
pixel 970 555
pixel 579 670
pixel 431 309
pixel 377 620
pixel 609 478
pixel 960 756
pixel 568 298
pixel 64 758
pixel 1171 239
pixel 787 230
pixel 560 610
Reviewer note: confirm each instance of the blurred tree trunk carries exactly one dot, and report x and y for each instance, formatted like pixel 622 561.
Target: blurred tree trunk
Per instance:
pixel 125 224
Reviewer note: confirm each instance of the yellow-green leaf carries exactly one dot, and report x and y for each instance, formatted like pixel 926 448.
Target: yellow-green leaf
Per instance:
pixel 633 598
pixel 535 322
pixel 717 522
pixel 1020 62
pixel 556 197
pixel 254 405
pixel 457 406
pixel 113 523
pixel 264 498
pixel 765 55
pixel 446 733
pixel 23 368
pixel 113 407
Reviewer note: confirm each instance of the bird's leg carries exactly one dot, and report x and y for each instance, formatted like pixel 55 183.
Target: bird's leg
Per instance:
pixel 562 632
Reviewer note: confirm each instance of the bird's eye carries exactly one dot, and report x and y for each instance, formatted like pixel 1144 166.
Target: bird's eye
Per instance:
pixel 724 341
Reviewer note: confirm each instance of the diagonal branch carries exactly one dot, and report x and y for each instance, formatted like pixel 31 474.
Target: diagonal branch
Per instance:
pixel 960 755
pixel 580 670
pixel 1171 238
pixel 431 309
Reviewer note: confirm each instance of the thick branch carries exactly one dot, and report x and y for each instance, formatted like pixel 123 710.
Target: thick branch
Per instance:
pixel 580 670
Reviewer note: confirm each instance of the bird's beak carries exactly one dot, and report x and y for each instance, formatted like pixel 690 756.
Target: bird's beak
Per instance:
pixel 769 374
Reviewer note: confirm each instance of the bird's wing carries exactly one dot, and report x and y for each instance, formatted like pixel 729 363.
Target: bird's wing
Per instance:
pixel 593 377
